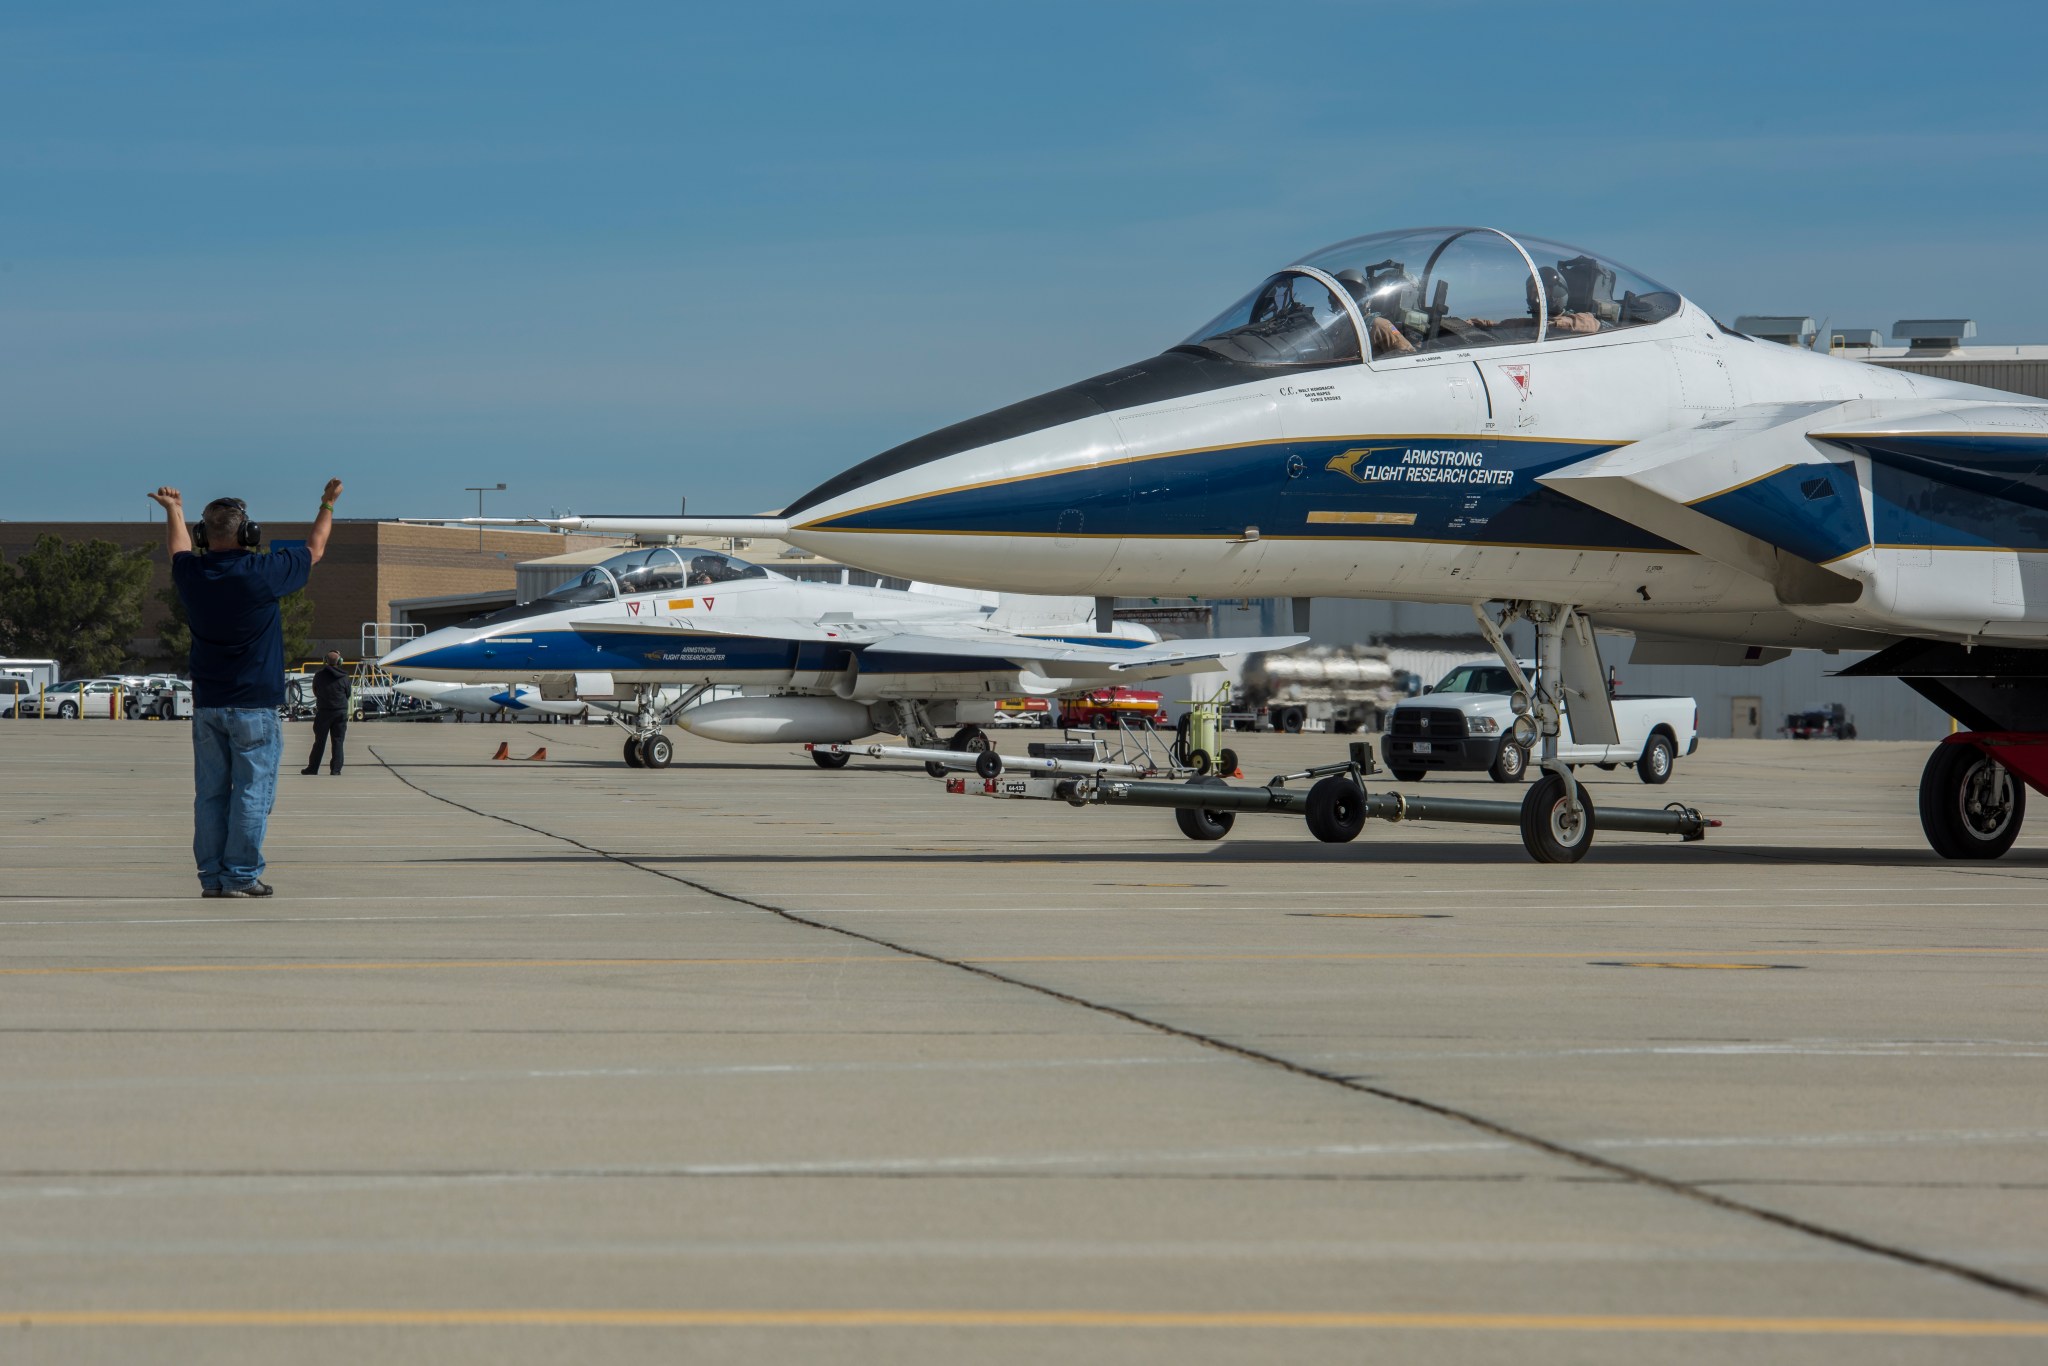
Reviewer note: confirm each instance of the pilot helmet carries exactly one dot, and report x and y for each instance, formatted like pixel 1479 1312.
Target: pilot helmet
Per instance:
pixel 1554 291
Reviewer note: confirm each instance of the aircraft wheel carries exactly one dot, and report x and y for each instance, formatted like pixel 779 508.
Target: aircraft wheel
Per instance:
pixel 633 752
pixel 1410 775
pixel 1549 831
pixel 935 768
pixel 970 740
pixel 1201 824
pixel 1511 765
pixel 824 760
pixel 1655 765
pixel 657 751
pixel 1970 806
pixel 1336 809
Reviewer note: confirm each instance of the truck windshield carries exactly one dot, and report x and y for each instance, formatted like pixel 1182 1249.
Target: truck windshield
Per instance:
pixel 1489 678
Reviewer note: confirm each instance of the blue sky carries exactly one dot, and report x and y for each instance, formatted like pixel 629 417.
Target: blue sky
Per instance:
pixel 618 254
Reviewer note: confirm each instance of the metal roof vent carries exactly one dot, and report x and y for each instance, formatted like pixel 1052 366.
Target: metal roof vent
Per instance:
pixel 1854 339
pixel 1789 331
pixel 1934 334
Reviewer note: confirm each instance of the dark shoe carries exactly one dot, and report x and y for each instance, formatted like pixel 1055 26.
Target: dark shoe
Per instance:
pixel 253 889
pixel 309 770
pixel 213 891
pixel 334 772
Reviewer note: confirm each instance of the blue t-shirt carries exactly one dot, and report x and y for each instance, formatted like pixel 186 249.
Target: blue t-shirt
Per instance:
pixel 230 599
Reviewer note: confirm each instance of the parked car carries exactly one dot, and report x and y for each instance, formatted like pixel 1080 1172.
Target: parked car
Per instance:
pixel 1463 724
pixel 13 688
pixel 73 698
pixel 1827 721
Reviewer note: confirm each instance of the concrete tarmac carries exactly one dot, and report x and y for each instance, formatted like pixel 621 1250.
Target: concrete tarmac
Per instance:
pixel 746 1061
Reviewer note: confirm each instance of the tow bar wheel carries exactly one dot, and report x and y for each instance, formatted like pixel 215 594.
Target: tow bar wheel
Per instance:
pixel 1200 823
pixel 1550 832
pixel 1970 806
pixel 825 760
pixel 1336 809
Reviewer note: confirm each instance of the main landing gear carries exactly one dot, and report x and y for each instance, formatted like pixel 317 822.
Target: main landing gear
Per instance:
pixel 1973 792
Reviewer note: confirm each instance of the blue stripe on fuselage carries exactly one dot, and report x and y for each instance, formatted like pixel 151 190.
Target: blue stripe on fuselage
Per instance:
pixel 1476 488
pixel 595 650
pixel 1813 510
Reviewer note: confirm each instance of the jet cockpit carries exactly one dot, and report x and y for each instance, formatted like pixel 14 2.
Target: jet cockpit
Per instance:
pixel 651 569
pixel 1429 289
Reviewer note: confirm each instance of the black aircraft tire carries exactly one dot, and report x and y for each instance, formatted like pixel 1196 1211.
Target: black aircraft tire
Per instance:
pixel 633 752
pixel 658 751
pixel 1655 765
pixel 1410 775
pixel 935 768
pixel 1336 809
pixel 1955 828
pixel 1200 824
pixel 1543 830
pixel 970 740
pixel 1511 765
pixel 824 760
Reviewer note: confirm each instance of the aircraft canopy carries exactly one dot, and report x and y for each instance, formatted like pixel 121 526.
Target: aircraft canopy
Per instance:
pixel 1430 289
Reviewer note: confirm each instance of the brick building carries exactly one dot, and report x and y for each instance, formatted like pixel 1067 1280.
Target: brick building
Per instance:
pixel 367 566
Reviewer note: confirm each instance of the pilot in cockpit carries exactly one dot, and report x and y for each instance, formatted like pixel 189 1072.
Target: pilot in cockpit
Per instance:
pixel 1562 320
pixel 1387 338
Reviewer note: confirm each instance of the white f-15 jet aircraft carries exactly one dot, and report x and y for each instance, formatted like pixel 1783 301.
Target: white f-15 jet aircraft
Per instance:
pixel 1465 415
pixel 648 634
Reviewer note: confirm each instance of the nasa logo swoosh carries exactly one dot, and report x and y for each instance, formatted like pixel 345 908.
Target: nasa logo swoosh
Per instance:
pixel 1346 462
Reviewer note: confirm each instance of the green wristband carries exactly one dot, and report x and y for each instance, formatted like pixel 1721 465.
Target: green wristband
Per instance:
pixel 327 507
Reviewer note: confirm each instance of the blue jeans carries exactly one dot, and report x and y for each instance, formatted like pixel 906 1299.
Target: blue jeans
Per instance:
pixel 234 766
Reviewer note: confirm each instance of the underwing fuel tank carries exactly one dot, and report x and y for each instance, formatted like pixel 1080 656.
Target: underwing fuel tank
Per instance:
pixel 779 720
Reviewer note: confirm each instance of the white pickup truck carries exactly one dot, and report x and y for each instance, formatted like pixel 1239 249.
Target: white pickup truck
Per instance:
pixel 1462 725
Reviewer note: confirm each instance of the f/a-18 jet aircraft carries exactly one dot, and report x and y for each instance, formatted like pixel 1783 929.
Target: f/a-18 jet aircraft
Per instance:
pixel 647 636
pixel 1465 415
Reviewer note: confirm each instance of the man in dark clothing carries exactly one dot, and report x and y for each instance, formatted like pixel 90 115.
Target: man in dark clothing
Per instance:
pixel 231 600
pixel 330 711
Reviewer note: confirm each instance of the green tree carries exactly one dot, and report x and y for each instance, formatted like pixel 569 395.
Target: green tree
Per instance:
pixel 174 637
pixel 77 604
pixel 297 611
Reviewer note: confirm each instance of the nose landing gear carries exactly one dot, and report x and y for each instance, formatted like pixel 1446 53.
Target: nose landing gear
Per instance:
pixel 1973 792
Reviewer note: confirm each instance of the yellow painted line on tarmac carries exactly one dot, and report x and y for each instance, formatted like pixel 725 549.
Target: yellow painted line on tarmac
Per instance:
pixel 1022 1318
pixel 1403 956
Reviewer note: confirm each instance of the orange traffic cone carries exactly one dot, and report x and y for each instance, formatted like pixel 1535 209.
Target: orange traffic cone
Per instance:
pixel 504 751
pixel 540 753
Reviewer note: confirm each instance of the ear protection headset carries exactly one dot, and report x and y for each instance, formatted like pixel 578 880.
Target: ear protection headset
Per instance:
pixel 248 537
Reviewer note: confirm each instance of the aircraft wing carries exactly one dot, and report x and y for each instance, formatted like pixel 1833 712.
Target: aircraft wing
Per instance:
pixel 625 524
pixel 1065 658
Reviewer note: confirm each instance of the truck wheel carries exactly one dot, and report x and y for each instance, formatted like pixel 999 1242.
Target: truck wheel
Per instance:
pixel 1410 775
pixel 1548 831
pixel 1511 765
pixel 824 760
pixel 1336 809
pixel 1200 824
pixel 1291 720
pixel 1970 806
pixel 633 752
pixel 1655 765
